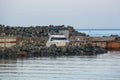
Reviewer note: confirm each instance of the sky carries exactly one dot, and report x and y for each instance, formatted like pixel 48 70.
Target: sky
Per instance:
pixel 82 14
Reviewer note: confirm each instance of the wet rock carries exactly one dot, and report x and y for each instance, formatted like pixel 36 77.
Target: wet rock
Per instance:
pixel 31 50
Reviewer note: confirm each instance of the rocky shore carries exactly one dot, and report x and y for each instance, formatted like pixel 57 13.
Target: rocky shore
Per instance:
pixel 31 42
pixel 36 31
pixel 53 51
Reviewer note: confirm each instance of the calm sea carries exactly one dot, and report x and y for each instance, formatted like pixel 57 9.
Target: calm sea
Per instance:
pixel 100 32
pixel 101 67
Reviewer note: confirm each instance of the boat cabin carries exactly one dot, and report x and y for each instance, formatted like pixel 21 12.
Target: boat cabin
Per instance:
pixel 58 40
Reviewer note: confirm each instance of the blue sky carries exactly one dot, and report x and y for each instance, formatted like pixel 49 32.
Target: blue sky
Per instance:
pixel 77 13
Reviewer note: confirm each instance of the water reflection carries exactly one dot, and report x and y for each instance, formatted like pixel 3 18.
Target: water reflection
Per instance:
pixel 8 61
pixel 101 67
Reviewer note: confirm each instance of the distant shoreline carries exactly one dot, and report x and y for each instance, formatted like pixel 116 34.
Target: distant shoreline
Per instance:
pixel 97 29
pixel 100 32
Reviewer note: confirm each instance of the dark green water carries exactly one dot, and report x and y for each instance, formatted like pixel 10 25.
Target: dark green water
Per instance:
pixel 101 67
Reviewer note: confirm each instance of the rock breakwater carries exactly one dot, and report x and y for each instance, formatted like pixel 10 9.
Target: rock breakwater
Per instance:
pixel 30 42
pixel 31 50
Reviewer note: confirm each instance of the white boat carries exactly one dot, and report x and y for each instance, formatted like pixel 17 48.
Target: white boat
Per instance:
pixel 58 40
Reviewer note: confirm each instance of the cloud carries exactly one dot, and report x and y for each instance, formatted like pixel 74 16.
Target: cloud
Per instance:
pixel 68 12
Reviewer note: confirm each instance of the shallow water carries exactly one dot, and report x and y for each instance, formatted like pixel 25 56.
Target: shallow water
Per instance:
pixel 101 67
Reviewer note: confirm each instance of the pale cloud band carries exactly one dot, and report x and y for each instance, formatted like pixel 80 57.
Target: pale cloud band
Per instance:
pixel 93 13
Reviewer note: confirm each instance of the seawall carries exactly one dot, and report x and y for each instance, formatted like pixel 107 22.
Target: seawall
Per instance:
pixel 113 45
pixel 109 43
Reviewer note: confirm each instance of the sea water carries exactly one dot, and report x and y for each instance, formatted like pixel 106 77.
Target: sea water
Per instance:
pixel 100 32
pixel 101 67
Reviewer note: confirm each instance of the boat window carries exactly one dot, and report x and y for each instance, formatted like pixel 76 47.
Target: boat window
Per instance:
pixel 58 38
